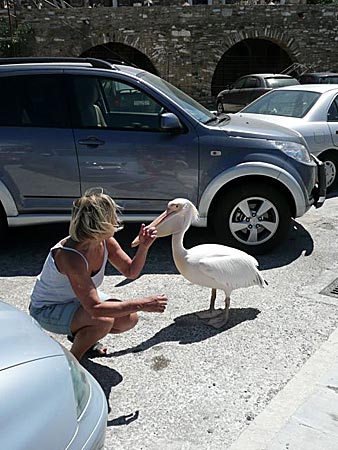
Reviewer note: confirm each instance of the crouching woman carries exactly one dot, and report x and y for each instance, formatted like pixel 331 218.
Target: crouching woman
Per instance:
pixel 65 298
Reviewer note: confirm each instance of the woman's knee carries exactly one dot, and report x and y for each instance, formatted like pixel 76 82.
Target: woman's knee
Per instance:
pixel 133 317
pixel 125 323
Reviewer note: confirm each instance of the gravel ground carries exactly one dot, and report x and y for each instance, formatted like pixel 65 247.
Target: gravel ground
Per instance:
pixel 174 383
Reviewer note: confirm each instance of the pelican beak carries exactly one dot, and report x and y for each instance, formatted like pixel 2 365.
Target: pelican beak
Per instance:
pixel 160 224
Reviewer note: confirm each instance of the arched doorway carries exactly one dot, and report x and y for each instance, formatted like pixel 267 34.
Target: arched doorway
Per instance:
pixel 246 57
pixel 117 52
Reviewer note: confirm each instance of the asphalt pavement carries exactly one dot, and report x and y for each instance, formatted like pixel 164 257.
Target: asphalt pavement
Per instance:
pixel 267 381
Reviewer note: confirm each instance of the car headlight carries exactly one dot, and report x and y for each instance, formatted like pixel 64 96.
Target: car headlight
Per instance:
pixel 80 384
pixel 294 150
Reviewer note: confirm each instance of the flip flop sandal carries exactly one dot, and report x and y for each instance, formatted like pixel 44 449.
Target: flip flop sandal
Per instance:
pixel 96 350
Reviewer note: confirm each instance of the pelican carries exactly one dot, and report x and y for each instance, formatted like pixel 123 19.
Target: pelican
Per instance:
pixel 211 265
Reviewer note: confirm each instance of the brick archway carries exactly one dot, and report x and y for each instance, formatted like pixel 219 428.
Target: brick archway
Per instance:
pixel 119 52
pixel 256 52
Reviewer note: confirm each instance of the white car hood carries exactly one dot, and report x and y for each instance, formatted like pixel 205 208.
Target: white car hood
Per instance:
pixel 280 120
pixel 260 127
pixel 21 339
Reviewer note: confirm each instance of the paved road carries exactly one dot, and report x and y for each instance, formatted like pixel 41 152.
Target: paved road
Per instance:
pixel 173 383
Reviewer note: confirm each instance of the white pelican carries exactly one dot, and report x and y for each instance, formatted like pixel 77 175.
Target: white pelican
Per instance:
pixel 211 265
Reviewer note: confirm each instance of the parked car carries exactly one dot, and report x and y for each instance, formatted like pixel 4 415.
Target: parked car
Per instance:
pixel 69 125
pixel 312 110
pixel 48 400
pixel 319 77
pixel 249 87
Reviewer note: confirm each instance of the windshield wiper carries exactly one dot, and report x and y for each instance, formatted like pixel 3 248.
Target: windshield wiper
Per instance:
pixel 223 118
pixel 211 120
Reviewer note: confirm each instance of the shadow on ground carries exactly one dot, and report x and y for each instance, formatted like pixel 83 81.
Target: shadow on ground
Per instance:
pixel 105 376
pixel 188 329
pixel 24 251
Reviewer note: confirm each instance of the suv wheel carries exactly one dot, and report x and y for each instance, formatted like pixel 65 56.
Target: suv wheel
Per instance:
pixel 254 218
pixel 3 224
pixel 330 161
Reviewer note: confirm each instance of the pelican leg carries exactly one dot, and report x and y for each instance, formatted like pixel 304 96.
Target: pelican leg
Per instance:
pixel 221 319
pixel 211 312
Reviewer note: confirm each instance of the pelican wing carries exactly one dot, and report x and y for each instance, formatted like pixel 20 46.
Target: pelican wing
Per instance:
pixel 215 250
pixel 232 272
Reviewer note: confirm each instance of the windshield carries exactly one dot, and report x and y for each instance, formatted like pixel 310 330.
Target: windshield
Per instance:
pixel 280 82
pixel 190 105
pixel 284 103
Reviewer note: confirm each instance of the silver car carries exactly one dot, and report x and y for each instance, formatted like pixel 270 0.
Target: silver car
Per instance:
pixel 48 401
pixel 249 87
pixel 310 109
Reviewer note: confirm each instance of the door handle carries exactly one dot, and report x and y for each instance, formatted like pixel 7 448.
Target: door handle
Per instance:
pixel 91 141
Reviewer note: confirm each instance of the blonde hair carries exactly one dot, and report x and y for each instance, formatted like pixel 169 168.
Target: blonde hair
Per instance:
pixel 93 216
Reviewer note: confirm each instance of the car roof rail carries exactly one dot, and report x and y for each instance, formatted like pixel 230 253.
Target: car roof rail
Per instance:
pixel 97 63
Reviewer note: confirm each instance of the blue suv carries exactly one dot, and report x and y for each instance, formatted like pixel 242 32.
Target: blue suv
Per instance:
pixel 73 123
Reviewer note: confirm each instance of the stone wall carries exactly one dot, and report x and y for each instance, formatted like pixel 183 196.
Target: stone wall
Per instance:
pixel 186 44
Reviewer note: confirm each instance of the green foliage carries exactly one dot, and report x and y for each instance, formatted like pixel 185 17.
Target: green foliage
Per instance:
pixel 12 37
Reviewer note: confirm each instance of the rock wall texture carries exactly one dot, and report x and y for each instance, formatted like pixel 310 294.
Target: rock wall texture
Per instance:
pixel 186 44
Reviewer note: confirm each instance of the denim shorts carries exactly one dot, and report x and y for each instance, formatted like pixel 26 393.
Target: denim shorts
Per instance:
pixel 57 317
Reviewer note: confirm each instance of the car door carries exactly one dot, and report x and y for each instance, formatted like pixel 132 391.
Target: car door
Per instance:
pixel 127 153
pixel 252 89
pixel 232 97
pixel 244 90
pixel 38 160
pixel 332 120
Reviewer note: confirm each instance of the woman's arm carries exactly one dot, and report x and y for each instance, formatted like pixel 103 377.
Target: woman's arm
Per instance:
pixel 131 268
pixel 74 267
pixel 86 292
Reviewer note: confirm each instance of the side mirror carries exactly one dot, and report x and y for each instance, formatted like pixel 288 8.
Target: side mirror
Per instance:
pixel 170 122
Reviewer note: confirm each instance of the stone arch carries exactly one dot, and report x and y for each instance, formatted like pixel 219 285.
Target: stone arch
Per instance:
pixel 119 52
pixel 253 53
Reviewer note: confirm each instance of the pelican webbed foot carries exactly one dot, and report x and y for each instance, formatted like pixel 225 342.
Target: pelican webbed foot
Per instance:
pixel 221 317
pixel 220 320
pixel 209 313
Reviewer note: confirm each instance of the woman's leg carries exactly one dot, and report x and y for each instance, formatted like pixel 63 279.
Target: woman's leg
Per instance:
pixel 124 323
pixel 87 330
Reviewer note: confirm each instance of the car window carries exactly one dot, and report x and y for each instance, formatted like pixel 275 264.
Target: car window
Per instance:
pixel 332 115
pixel 284 103
pixel 251 82
pixel 34 101
pixel 126 98
pixel 329 80
pixel 109 103
pixel 275 82
pixel 307 79
pixel 239 84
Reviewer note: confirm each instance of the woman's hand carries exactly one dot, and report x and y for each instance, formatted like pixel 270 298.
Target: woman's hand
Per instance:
pixel 147 235
pixel 154 303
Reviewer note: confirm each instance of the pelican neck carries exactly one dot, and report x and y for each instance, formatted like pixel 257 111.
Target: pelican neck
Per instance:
pixel 177 245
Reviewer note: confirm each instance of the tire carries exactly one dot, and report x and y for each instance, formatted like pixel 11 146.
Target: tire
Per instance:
pixel 3 224
pixel 330 161
pixel 236 222
pixel 220 109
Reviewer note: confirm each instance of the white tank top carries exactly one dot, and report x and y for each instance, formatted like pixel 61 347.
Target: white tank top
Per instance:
pixel 52 287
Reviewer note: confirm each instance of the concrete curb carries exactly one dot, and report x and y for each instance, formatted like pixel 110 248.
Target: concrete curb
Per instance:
pixel 287 422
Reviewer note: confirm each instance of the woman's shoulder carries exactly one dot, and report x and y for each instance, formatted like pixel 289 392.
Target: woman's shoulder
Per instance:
pixel 69 259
